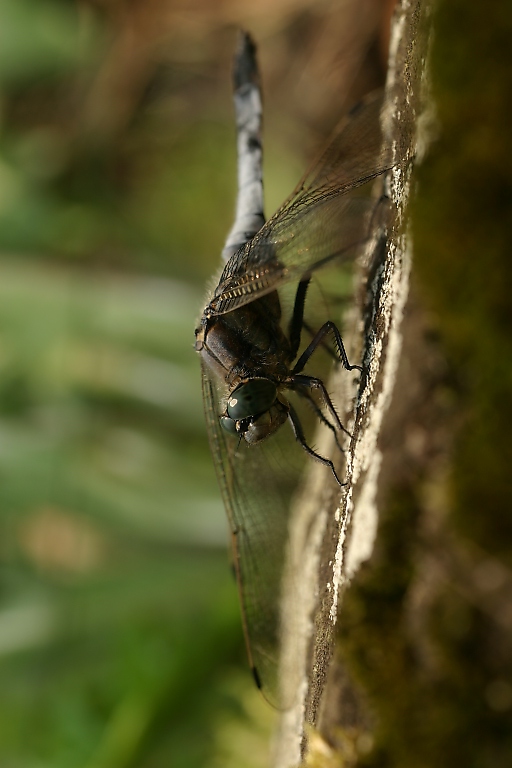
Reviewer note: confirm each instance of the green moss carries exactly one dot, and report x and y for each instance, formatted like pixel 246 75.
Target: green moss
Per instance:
pixel 372 636
pixel 462 223
pixel 435 689
pixel 426 714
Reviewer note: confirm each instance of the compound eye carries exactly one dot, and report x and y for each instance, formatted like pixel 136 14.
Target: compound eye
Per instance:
pixel 228 424
pixel 252 398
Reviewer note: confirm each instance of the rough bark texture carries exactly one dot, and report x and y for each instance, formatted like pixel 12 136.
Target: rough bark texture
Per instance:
pixel 332 536
pixel 422 671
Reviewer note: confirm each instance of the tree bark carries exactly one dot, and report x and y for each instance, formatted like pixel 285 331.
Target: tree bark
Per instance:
pixel 416 561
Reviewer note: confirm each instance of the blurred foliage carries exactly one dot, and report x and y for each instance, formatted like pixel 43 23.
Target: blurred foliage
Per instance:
pixel 120 635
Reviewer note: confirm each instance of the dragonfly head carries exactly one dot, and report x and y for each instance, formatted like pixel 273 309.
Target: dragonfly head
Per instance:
pixel 254 410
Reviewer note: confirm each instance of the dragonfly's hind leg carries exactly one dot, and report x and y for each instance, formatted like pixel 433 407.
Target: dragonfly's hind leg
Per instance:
pixel 326 328
pixel 299 436
pixel 324 344
pixel 297 319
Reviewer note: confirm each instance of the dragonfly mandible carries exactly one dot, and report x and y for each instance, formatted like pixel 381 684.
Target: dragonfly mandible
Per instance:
pixel 253 360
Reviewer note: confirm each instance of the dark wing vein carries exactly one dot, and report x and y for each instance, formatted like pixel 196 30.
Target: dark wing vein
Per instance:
pixel 324 218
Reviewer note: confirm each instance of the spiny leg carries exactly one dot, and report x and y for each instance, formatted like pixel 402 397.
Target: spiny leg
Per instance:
pixel 297 319
pixel 297 322
pixel 324 344
pixel 318 413
pixel 326 328
pixel 299 436
pixel 311 382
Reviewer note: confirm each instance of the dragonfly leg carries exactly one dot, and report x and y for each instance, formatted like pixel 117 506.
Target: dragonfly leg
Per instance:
pixel 299 436
pixel 324 344
pixel 304 393
pixel 297 319
pixel 313 383
pixel 326 328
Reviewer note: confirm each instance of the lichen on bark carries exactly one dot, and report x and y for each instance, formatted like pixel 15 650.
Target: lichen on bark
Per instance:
pixel 422 674
pixel 334 536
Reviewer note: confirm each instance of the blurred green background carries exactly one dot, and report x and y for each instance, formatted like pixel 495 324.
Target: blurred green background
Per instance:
pixel 120 636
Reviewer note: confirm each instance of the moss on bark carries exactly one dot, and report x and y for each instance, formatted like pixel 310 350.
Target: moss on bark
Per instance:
pixel 426 627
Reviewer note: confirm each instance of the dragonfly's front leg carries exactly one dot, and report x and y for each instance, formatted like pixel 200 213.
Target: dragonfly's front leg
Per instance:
pixel 249 217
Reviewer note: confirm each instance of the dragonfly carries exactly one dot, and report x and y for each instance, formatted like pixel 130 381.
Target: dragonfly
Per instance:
pixel 253 354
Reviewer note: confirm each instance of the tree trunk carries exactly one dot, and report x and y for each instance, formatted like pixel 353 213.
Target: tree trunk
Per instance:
pixel 409 659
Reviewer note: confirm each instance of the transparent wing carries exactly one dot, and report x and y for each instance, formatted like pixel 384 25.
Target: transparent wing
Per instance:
pixel 326 217
pixel 256 483
pixel 356 154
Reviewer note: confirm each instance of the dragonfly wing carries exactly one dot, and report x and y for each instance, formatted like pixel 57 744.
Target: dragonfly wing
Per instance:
pixel 298 243
pixel 357 153
pixel 325 218
pixel 256 483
